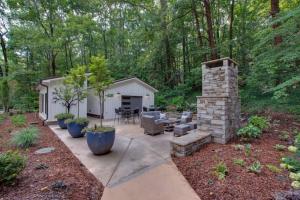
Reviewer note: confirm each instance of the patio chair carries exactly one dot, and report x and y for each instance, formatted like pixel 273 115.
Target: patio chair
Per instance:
pixel 186 117
pixel 117 114
pixel 145 109
pixel 152 126
pixel 155 114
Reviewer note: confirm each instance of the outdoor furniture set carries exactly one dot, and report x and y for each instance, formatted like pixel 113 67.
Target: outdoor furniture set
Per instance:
pixel 126 114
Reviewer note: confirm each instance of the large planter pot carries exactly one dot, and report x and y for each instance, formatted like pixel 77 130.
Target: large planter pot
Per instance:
pixel 100 142
pixel 75 129
pixel 61 123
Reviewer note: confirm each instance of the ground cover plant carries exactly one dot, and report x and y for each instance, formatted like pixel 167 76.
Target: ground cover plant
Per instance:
pixel 18 120
pixel 26 137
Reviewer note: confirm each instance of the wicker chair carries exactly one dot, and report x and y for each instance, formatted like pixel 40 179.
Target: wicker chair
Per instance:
pixel 186 117
pixel 152 126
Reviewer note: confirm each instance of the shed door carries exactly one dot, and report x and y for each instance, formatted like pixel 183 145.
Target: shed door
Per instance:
pixel 132 102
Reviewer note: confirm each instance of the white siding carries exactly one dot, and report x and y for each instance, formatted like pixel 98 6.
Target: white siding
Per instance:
pixel 56 108
pixel 129 88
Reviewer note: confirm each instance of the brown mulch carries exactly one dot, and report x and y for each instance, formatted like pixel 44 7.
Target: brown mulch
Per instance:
pixel 198 169
pixel 63 166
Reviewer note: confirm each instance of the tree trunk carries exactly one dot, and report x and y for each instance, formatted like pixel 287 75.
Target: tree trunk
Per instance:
pixel 4 52
pixel 231 28
pixel 210 32
pixel 275 9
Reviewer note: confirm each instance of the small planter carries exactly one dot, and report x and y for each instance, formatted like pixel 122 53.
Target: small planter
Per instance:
pixel 61 123
pixel 75 127
pixel 100 142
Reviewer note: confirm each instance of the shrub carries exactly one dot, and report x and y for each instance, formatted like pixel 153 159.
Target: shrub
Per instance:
pixel 260 122
pixel 255 167
pixel 81 121
pixel 249 132
pixel 239 162
pixel 247 149
pixel 18 120
pixel 280 147
pixel 291 164
pixel 273 168
pixel 25 137
pixel 62 116
pixel 2 118
pixel 284 136
pixel 11 164
pixel 221 170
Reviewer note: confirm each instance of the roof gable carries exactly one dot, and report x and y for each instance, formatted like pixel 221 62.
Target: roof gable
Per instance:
pixel 133 79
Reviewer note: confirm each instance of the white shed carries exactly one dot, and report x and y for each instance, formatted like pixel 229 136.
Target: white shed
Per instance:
pixel 47 108
pixel 126 93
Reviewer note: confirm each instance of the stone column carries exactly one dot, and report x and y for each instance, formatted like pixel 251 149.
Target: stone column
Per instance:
pixel 219 106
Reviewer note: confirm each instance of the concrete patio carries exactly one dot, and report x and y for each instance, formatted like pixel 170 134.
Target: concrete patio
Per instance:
pixel 136 163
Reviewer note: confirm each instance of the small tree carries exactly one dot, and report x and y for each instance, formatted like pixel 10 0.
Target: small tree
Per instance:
pixel 65 96
pixel 99 79
pixel 76 79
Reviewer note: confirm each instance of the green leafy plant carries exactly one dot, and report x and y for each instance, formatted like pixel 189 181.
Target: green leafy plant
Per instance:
pixel 2 118
pixel 284 136
pixel 248 149
pixel 239 162
pixel 11 164
pixel 98 129
pixel 62 116
pixel 100 78
pixel 280 147
pixel 290 163
pixel 80 121
pixel 18 120
pixel 65 96
pixel 221 170
pixel 273 168
pixel 25 137
pixel 249 132
pixel 256 167
pixel 259 122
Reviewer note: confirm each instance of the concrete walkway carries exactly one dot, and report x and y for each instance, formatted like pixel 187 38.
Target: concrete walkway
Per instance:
pixel 139 166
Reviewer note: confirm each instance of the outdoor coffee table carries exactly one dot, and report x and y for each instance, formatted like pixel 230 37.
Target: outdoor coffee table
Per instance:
pixel 169 125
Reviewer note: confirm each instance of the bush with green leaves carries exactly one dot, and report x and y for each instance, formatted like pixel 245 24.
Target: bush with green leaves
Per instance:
pixel 248 149
pixel 11 164
pixel 284 136
pixel 255 167
pixel 25 137
pixel 280 147
pixel 2 118
pixel 260 122
pixel 239 162
pixel 221 170
pixel 18 120
pixel 63 116
pixel 80 121
pixel 249 132
pixel 290 163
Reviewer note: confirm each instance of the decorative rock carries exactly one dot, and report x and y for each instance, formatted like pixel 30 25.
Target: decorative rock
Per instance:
pixel 57 185
pixel 44 150
pixel 41 166
pixel 287 195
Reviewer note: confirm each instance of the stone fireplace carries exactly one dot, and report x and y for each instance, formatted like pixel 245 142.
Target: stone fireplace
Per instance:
pixel 219 106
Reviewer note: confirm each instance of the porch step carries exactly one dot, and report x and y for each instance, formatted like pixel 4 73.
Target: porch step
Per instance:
pixel 189 143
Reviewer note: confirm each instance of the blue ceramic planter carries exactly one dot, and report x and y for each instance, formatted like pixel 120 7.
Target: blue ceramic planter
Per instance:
pixel 61 123
pixel 75 129
pixel 100 143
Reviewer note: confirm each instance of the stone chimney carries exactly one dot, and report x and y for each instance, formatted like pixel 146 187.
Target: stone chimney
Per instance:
pixel 219 106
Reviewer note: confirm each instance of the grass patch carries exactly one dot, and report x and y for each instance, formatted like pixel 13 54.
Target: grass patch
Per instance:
pixel 280 147
pixel 18 120
pixel 221 170
pixel 25 137
pixel 239 162
pixel 273 168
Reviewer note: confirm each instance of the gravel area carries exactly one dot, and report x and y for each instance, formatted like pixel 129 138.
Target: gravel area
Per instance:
pixel 54 175
pixel 198 169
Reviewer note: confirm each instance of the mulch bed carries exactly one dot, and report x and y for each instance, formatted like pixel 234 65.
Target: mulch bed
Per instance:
pixel 62 165
pixel 198 169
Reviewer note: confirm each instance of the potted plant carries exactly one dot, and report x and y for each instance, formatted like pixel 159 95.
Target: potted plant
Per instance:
pixel 100 139
pixel 61 119
pixel 76 126
pixel 76 80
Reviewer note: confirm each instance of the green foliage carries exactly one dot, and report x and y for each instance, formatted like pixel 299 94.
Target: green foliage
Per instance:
pixel 280 147
pixel 2 118
pixel 64 116
pixel 256 167
pixel 273 168
pixel 260 122
pixel 4 93
pixel 239 147
pixel 239 162
pixel 284 136
pixel 18 120
pixel 248 149
pixel 11 164
pixel 26 137
pixel 80 120
pixel 65 96
pixel 221 170
pixel 291 164
pixel 249 132
pixel 98 129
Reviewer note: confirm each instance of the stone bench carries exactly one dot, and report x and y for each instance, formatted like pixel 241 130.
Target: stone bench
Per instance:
pixel 189 143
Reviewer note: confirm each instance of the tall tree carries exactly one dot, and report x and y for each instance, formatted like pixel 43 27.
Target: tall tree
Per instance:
pixel 275 9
